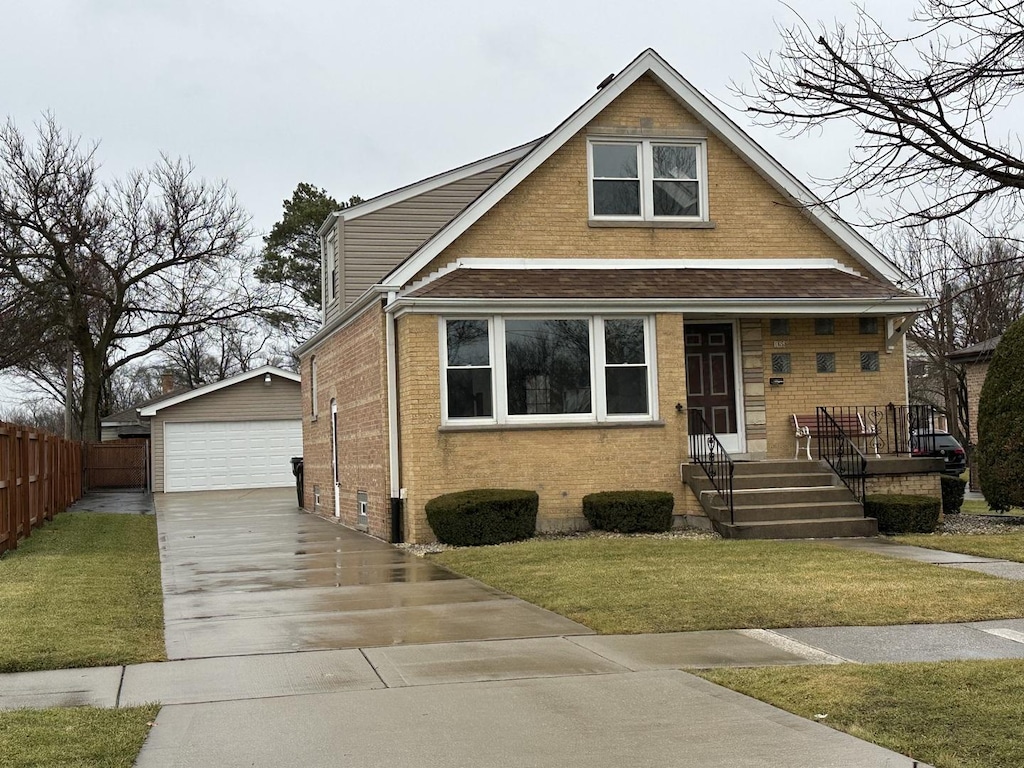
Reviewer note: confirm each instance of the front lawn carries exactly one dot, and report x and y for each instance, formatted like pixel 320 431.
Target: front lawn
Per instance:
pixel 82 737
pixel 82 591
pixel 1002 546
pixel 956 714
pixel 642 584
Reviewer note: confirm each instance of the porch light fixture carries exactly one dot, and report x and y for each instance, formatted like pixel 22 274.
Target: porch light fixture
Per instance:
pixel 266 380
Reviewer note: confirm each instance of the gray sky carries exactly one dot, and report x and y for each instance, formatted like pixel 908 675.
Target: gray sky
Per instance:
pixel 360 98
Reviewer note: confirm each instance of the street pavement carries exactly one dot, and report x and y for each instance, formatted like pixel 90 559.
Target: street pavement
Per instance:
pixel 297 642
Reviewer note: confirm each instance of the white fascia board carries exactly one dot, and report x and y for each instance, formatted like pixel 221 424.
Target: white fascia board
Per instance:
pixel 728 307
pixel 150 410
pixel 375 204
pixel 328 223
pixel 693 100
pixel 350 313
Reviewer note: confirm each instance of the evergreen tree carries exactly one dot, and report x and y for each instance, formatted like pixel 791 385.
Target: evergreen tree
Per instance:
pixel 1001 423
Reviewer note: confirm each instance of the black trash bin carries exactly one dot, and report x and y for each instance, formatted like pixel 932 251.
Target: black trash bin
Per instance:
pixel 297 471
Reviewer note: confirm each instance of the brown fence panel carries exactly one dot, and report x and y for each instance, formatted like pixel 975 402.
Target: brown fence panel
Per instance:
pixel 40 475
pixel 117 464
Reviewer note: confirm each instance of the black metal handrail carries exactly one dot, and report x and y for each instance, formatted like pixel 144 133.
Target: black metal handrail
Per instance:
pixel 709 453
pixel 840 452
pixel 894 430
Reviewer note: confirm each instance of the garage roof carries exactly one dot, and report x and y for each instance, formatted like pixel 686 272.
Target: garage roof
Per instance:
pixel 272 370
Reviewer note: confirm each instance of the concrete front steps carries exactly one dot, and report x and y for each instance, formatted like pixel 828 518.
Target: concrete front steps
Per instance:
pixel 782 500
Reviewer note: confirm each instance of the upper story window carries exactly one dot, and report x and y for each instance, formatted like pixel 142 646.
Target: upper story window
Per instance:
pixel 547 369
pixel 648 180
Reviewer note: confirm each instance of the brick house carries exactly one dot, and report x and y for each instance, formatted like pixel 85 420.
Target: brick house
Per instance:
pixel 553 317
pixel 975 360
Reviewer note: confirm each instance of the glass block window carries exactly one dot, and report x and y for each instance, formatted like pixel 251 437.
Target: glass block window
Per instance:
pixel 869 362
pixel 869 326
pixel 826 362
pixel 781 363
pixel 780 326
pixel 824 326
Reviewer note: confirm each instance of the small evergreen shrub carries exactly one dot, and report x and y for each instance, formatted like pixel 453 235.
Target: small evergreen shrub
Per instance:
pixel 952 494
pixel 629 511
pixel 897 513
pixel 1001 423
pixel 483 516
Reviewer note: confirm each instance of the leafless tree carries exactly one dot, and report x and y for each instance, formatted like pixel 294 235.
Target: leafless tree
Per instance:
pixel 978 283
pixel 112 271
pixel 929 108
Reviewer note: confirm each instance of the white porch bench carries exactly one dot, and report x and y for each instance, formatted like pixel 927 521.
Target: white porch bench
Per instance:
pixel 805 427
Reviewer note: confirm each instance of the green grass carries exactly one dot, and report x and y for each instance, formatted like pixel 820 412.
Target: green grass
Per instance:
pixel 82 591
pixel 980 507
pixel 82 737
pixel 670 585
pixel 958 714
pixel 1002 546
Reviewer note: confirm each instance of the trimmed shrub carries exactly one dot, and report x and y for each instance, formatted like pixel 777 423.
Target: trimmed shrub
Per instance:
pixel 898 513
pixel 1001 423
pixel 629 511
pixel 952 494
pixel 483 516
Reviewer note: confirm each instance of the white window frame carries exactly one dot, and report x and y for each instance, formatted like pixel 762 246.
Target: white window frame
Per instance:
pixel 598 362
pixel 646 171
pixel 314 389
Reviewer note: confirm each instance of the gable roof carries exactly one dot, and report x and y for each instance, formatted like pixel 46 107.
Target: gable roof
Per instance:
pixel 649 62
pixel 152 408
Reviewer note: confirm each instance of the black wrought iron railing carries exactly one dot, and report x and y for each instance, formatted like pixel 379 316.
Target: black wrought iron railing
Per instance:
pixel 837 448
pixel 709 453
pixel 893 430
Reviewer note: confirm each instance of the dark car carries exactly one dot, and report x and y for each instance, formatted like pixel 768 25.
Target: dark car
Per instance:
pixel 940 445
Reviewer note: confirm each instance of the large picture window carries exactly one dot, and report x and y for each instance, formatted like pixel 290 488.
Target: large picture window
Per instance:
pixel 648 180
pixel 526 369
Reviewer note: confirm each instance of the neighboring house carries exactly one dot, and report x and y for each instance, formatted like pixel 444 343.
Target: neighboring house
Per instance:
pixel 237 433
pixel 546 317
pixel 975 360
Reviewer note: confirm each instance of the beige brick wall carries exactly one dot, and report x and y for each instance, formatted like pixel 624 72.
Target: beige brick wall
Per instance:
pixel 545 216
pixel 975 373
pixel 804 388
pixel 352 369
pixel 562 465
pixel 918 485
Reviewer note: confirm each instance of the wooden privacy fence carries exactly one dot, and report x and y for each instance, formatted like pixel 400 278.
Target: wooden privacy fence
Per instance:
pixel 40 475
pixel 117 464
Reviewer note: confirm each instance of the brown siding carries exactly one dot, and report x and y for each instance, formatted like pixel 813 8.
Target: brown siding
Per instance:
pixel 376 243
pixel 351 369
pixel 249 400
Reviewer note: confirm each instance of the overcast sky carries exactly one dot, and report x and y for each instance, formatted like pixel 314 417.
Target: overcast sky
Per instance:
pixel 360 98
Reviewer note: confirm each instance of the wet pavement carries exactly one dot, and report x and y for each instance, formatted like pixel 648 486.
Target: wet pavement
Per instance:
pixel 245 572
pixel 129 502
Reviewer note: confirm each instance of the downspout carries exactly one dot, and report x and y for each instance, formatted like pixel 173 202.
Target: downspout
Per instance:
pixel 393 464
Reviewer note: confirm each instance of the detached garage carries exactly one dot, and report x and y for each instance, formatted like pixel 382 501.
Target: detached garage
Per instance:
pixel 236 433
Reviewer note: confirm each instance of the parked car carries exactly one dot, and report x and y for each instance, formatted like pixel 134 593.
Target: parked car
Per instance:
pixel 940 445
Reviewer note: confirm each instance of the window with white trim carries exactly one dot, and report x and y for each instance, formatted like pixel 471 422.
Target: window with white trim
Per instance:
pixel 648 180
pixel 314 408
pixel 546 369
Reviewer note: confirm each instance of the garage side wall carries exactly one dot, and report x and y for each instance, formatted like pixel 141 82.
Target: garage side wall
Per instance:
pixel 351 369
pixel 249 400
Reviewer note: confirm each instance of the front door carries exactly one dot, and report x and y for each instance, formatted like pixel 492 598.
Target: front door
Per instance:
pixel 711 379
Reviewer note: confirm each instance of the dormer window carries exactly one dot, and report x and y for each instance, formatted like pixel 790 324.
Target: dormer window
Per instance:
pixel 648 180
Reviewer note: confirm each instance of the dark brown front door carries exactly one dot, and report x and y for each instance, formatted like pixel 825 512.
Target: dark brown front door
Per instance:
pixel 710 374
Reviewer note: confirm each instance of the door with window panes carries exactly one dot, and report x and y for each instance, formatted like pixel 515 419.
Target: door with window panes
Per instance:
pixel 711 379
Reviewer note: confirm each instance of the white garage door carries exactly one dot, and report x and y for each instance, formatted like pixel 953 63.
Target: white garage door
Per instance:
pixel 222 455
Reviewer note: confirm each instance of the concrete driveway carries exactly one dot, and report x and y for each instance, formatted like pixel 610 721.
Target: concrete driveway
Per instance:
pixel 245 572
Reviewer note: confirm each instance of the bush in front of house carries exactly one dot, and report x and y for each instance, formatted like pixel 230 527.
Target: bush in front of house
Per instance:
pixel 952 494
pixel 483 516
pixel 629 511
pixel 898 513
pixel 1001 423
